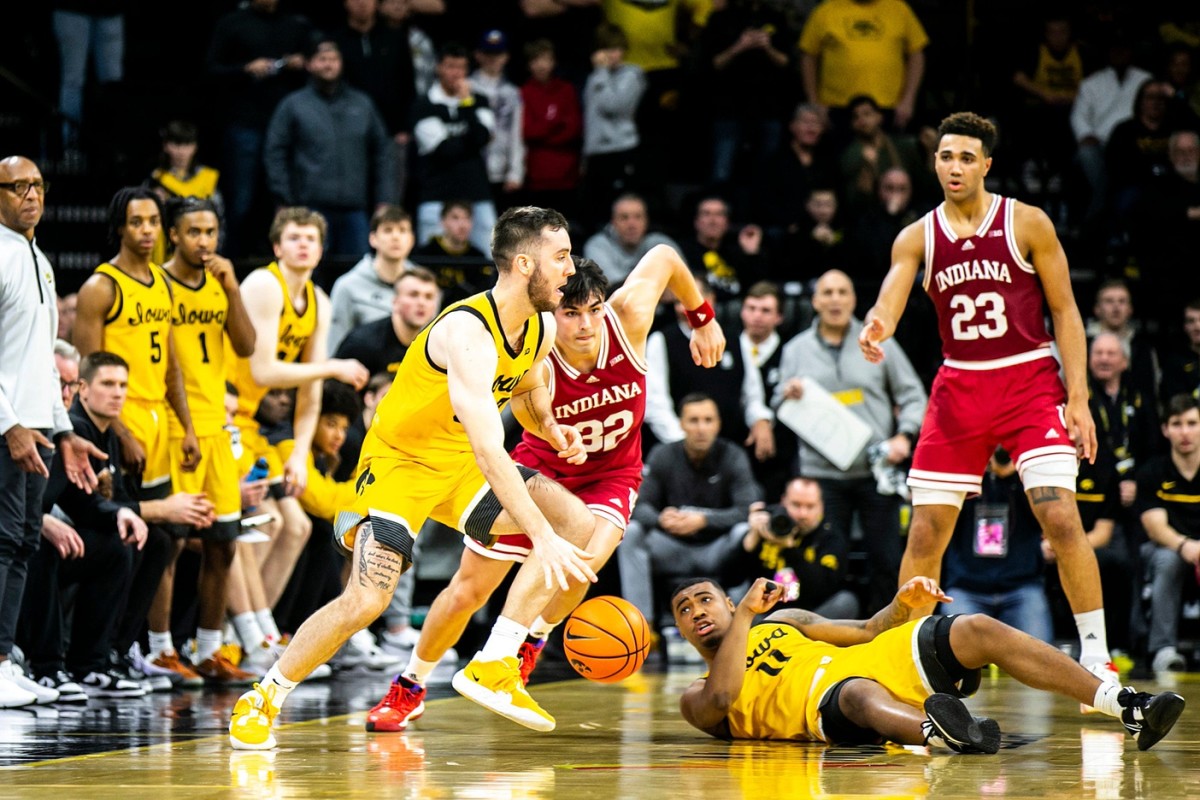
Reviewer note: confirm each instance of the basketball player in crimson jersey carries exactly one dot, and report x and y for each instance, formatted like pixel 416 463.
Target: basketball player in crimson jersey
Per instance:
pixel 596 377
pixel 991 264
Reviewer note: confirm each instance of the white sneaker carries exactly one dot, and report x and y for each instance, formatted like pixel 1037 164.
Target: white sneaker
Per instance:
pixel 362 651
pixel 43 694
pixel 13 696
pixel 400 644
pixel 261 658
pixel 1168 659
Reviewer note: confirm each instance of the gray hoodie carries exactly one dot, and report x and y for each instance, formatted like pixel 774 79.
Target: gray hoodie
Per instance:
pixel 882 387
pixel 358 296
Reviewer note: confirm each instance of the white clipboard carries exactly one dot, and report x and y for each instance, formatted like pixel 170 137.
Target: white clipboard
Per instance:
pixel 825 424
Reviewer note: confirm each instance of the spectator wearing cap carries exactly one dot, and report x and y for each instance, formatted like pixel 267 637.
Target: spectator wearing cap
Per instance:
pixel 452 127
pixel 505 154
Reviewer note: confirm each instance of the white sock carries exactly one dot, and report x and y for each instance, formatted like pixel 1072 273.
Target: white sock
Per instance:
pixel 283 687
pixel 1105 700
pixel 1093 639
pixel 248 630
pixel 540 629
pixel 160 643
pixel 266 621
pixel 208 642
pixel 418 669
pixel 506 639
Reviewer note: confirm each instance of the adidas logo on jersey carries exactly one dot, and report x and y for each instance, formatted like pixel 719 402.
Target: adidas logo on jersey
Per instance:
pixel 967 245
pixel 615 501
pixel 1052 434
pixel 592 379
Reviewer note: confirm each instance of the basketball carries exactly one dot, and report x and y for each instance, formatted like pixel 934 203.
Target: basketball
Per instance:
pixel 606 639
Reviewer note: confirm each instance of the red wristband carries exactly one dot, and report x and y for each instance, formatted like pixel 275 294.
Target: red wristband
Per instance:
pixel 701 315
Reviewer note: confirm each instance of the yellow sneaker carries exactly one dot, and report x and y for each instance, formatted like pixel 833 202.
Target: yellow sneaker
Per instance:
pixel 250 725
pixel 497 685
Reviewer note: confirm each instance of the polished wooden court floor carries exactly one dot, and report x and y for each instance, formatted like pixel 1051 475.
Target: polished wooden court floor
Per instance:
pixel 613 741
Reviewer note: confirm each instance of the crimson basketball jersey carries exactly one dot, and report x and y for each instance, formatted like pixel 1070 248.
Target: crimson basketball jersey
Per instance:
pixel 606 406
pixel 989 299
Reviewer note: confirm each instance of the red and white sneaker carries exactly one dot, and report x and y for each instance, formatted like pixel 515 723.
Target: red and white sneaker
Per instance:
pixel 404 702
pixel 1105 671
pixel 528 656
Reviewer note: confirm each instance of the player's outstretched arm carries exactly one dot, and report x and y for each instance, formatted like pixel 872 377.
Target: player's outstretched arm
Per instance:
pixel 470 364
pixel 635 302
pixel 908 252
pixel 917 592
pixel 1036 233
pixel 706 703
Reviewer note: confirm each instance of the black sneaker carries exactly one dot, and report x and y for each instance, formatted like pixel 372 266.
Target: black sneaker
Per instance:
pixel 68 690
pixel 951 723
pixel 1149 717
pixel 110 684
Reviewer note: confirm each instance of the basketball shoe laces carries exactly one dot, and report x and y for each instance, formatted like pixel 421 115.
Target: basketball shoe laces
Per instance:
pixel 266 704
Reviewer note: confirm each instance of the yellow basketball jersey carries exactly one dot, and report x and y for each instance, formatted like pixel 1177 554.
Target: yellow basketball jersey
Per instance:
pixel 295 329
pixel 198 324
pixel 137 329
pixel 781 663
pixel 415 419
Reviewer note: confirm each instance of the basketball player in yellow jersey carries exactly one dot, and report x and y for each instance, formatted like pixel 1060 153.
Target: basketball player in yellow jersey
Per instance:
pixel 207 310
pixel 435 449
pixel 800 677
pixel 125 308
pixel 291 319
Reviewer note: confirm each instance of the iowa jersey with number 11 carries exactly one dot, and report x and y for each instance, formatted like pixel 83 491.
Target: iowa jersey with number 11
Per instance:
pixel 989 299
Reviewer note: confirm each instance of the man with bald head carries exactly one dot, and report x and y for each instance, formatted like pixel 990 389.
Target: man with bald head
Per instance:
pixel 32 417
pixel 889 397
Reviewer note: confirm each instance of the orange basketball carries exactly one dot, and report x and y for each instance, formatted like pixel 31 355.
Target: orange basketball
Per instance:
pixel 606 639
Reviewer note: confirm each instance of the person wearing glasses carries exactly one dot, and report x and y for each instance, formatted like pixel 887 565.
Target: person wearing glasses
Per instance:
pixel 32 417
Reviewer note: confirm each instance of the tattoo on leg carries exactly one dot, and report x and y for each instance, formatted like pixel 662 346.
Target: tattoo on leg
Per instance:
pixel 1044 494
pixel 378 566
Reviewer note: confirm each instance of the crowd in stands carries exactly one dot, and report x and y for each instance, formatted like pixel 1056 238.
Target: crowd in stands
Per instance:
pixel 779 146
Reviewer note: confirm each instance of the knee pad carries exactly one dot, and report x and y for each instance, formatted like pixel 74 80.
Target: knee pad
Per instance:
pixel 937 497
pixel 1059 470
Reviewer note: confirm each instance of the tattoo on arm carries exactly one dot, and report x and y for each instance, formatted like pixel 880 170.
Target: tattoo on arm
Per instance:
pixel 891 616
pixel 1044 494
pixel 796 617
pixel 531 410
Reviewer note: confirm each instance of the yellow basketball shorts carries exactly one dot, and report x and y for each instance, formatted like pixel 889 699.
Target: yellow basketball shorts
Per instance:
pixel 397 495
pixel 217 477
pixel 148 424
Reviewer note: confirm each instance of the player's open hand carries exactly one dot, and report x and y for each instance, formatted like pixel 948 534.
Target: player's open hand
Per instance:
pixel 561 559
pixel 568 441
pixel 921 591
pixel 1081 428
pixel 708 345
pixel 870 339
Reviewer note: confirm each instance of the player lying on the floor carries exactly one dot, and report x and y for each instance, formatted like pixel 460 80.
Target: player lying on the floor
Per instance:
pixel 802 677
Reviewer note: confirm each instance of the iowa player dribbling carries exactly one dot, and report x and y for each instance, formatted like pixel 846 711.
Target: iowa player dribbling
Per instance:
pixel 436 450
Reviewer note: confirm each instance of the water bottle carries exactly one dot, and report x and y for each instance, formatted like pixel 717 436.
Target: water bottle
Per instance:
pixel 257 473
